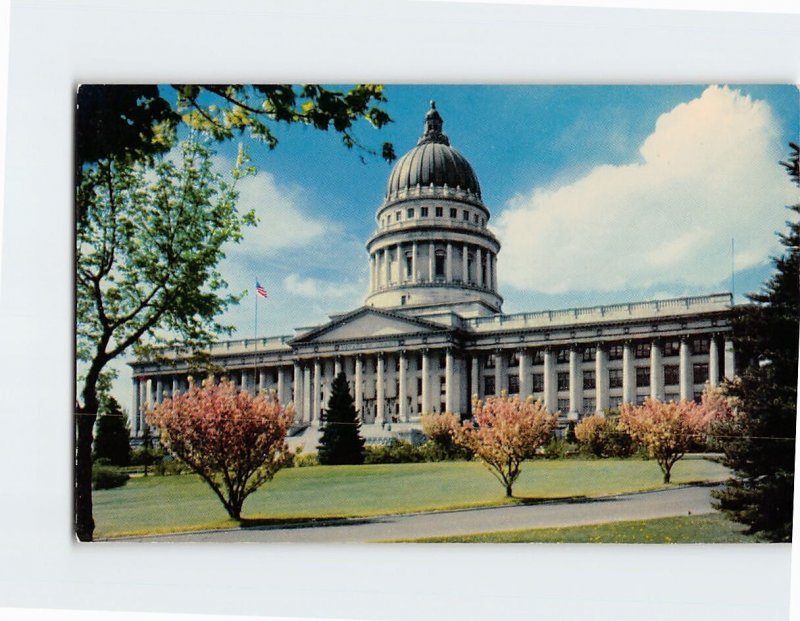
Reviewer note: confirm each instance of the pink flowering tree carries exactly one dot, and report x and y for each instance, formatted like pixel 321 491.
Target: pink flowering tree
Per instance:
pixel 666 429
pixel 590 433
pixel 506 432
pixel 234 441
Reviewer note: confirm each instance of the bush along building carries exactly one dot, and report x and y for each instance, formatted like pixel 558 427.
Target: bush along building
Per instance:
pixel 431 332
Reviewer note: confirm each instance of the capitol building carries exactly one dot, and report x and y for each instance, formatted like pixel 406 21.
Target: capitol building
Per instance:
pixel 431 333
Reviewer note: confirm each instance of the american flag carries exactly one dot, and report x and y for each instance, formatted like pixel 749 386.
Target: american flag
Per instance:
pixel 260 290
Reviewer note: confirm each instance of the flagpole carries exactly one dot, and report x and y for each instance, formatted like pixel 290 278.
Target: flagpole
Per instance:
pixel 255 323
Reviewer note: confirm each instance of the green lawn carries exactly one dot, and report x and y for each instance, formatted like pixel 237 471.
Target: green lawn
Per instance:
pixel 171 503
pixel 709 528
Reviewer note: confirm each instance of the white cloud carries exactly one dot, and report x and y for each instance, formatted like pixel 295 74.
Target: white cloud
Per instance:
pixel 315 288
pixel 707 173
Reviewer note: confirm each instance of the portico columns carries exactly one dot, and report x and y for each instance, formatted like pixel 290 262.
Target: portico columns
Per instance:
pixel 174 386
pixel 399 262
pixel 387 260
pixel 479 266
pixel 499 359
pixel 308 403
pixel 464 264
pixel 656 372
pixel 359 388
pixel 730 359
pixel 448 381
pixel 426 393
pixel 159 390
pixel 524 374
pixel 475 378
pixel 281 385
pixel 575 382
pixel 317 386
pixel 431 262
pixel 380 407
pixel 298 391
pixel 628 374
pixel 713 361
pixel 337 366
pixel 449 268
pixel 135 408
pixel 402 398
pixel 144 401
pixel 601 379
pixel 550 384
pixel 685 371
pixel 414 262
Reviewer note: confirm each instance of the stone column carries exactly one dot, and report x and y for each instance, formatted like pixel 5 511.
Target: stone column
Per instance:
pixel 494 272
pixel 448 272
pixel 628 374
pixel 685 369
pixel 713 361
pixel 337 366
pixel 449 392
pixel 575 382
pixel 135 408
pixel 380 405
pixel 371 273
pixel 387 259
pixel 174 392
pixel 656 372
pixel 524 374
pixel 498 371
pixel 478 267
pixel 402 363
pixel 550 381
pixel 149 394
pixel 431 262
pixel 464 264
pixel 297 389
pixel 316 387
pixel 359 387
pixel 475 378
pixel 414 262
pixel 601 379
pixel 730 359
pixel 159 390
pixel 400 263
pixel 281 386
pixel 144 401
pixel 426 391
pixel 308 402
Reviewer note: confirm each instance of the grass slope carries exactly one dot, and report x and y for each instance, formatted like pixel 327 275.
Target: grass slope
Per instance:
pixel 173 503
pixel 708 528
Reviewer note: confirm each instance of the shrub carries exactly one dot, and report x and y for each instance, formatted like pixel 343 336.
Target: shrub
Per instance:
pixel 303 460
pixel 441 430
pixel 591 434
pixel 107 477
pixel 396 452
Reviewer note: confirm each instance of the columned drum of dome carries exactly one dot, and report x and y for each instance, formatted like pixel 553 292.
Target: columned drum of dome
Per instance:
pixel 432 247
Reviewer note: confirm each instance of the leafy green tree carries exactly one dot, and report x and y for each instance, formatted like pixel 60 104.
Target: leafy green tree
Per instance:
pixel 759 441
pixel 149 231
pixel 341 441
pixel 112 435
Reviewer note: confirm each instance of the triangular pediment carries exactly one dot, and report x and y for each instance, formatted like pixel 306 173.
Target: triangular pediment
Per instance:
pixel 366 323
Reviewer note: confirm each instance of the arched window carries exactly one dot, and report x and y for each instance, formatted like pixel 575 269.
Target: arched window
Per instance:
pixel 409 266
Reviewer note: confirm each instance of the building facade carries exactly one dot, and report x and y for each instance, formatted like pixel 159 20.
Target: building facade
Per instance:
pixel 431 333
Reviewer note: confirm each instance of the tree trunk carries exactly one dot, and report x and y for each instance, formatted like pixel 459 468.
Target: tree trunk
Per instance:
pixel 666 475
pixel 84 523
pixel 508 491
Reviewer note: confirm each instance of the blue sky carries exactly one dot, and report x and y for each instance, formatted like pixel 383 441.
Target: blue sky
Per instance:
pixel 544 155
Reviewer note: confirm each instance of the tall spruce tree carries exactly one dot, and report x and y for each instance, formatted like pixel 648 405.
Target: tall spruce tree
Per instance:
pixel 761 443
pixel 112 435
pixel 341 441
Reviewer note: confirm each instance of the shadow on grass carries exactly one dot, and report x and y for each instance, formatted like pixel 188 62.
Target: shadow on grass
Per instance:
pixel 310 522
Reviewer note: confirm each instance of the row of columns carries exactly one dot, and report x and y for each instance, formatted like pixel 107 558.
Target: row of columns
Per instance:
pixel 602 383
pixel 382 272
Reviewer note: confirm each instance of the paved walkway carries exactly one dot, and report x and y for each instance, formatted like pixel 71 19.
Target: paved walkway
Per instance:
pixel 641 506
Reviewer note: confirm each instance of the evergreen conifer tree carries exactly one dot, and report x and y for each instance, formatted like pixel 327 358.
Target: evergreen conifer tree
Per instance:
pixel 341 441
pixel 112 436
pixel 761 440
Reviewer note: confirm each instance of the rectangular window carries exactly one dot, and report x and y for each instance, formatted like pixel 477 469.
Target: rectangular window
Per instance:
pixel 672 396
pixel 640 399
pixel 563 406
pixel 475 218
pixel 488 385
pixel 615 352
pixel 538 357
pixel 443 361
pixel 562 355
pixel 466 216
pixel 614 402
pixel 642 350
pixel 615 378
pixel 589 353
pixel 513 384
pixel 397 216
pixel 538 382
pixel 672 376
pixel 439 212
pixel 563 380
pixel 419 386
pixel 423 211
pixel 588 380
pixel 588 406
pixel 410 213
pixel 642 376
pixel 453 212
pixel 700 372
pixel 489 362
pixel 701 345
pixel 672 348
pixel 513 359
